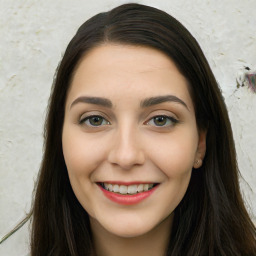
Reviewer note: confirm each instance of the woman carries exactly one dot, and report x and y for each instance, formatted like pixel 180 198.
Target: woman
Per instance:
pixel 139 155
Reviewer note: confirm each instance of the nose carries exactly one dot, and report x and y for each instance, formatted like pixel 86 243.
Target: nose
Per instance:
pixel 126 151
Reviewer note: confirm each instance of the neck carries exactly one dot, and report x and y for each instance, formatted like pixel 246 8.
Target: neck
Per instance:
pixel 153 243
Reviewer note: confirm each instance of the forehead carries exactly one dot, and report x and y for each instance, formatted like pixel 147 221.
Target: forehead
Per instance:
pixel 132 70
pixel 128 58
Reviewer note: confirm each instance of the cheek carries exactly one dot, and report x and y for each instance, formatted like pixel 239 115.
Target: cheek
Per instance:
pixel 80 161
pixel 175 154
pixel 81 154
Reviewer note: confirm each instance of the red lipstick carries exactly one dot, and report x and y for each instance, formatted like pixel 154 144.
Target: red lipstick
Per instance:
pixel 127 199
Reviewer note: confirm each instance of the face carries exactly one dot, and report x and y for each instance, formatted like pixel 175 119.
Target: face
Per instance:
pixel 130 138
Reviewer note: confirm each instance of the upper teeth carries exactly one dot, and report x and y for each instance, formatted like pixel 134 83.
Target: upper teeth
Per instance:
pixel 131 189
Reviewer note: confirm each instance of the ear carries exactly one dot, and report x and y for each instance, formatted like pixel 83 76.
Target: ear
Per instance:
pixel 201 149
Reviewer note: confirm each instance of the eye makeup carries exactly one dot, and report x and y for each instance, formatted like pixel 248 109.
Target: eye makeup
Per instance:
pixel 162 121
pixel 94 121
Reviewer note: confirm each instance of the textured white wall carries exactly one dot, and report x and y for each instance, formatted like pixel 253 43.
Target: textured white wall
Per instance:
pixel 33 36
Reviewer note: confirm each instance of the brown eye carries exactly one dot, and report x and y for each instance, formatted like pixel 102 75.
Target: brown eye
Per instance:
pixel 162 121
pixel 94 121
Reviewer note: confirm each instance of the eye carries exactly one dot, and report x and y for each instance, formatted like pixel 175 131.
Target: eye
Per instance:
pixel 162 121
pixel 94 121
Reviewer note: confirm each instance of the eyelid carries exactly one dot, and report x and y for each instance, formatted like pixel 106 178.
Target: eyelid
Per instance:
pixel 87 116
pixel 171 118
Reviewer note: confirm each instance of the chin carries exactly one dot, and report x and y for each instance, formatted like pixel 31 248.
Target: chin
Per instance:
pixel 130 226
pixel 129 231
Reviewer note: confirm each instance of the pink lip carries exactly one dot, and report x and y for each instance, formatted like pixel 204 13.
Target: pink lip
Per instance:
pixel 127 199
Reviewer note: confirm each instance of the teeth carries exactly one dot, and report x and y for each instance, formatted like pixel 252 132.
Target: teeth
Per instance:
pixel 145 187
pixel 131 189
pixel 110 187
pixel 123 189
pixel 115 188
pixel 140 188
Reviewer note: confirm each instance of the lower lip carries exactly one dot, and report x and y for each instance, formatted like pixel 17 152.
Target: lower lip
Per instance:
pixel 127 199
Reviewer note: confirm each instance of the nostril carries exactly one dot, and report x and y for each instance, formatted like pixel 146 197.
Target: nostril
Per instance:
pixel 125 159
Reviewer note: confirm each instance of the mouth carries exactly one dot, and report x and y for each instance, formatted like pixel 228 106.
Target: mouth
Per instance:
pixel 132 189
pixel 127 193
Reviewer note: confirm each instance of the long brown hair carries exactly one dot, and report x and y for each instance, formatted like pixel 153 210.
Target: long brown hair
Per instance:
pixel 211 218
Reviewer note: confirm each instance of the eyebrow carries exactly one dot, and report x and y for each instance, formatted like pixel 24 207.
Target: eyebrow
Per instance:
pixel 93 100
pixel 161 99
pixel 148 102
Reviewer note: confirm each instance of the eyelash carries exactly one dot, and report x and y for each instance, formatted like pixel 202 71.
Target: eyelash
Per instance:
pixel 88 118
pixel 172 121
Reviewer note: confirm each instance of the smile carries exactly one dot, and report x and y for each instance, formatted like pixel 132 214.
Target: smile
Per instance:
pixel 127 194
pixel 130 189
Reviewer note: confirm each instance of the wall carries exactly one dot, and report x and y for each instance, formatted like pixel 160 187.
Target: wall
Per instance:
pixel 34 35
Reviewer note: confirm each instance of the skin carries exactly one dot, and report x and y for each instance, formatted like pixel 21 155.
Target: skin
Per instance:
pixel 130 144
